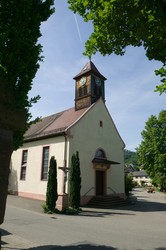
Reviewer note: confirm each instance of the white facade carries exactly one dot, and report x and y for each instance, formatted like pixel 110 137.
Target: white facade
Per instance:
pixel 140 177
pixel 92 131
pixel 88 136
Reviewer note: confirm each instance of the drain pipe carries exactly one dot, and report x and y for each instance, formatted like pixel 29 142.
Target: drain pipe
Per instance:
pixel 64 165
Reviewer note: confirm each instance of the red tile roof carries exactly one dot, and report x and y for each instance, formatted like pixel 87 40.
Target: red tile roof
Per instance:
pixel 53 125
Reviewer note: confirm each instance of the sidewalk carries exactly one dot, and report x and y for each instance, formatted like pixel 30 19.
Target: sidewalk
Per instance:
pixel 12 241
pixel 25 203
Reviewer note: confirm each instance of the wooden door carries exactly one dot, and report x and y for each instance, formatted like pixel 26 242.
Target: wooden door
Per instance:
pixel 99 182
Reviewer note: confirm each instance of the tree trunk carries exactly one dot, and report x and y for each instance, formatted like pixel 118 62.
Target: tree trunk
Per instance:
pixel 6 148
pixel 11 120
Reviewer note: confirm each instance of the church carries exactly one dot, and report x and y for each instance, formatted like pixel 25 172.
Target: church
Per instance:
pixel 87 128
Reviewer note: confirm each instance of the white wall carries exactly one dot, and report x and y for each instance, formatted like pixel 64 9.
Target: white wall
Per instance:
pixel 33 183
pixel 88 136
pixel 142 178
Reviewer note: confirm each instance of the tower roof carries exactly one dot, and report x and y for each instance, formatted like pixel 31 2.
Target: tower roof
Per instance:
pixel 90 67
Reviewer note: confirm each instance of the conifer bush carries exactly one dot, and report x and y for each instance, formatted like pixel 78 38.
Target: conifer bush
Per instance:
pixel 51 194
pixel 129 184
pixel 75 181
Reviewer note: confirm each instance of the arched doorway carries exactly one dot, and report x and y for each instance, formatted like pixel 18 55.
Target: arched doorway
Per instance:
pixel 101 165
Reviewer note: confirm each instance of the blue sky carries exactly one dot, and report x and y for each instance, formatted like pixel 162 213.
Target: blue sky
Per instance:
pixel 129 89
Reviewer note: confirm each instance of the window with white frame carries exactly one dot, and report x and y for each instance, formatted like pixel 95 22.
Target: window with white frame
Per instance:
pixel 45 163
pixel 24 164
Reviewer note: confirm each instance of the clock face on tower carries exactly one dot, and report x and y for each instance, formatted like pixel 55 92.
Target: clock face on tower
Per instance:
pixel 83 80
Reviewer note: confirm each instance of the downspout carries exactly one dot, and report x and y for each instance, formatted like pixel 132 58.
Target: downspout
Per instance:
pixel 64 165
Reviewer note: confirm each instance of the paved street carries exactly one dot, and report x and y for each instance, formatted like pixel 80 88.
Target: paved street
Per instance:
pixel 139 226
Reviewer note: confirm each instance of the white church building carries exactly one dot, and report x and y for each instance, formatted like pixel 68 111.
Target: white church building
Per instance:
pixel 87 128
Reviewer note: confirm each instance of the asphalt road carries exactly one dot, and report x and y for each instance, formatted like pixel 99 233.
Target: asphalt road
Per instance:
pixel 139 226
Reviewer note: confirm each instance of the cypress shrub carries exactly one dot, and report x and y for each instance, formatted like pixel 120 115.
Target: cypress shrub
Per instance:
pixel 129 184
pixel 75 181
pixel 51 194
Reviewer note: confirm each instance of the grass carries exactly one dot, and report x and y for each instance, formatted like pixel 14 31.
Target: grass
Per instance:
pixel 68 210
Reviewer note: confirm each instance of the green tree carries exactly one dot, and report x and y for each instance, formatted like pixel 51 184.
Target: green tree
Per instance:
pixel 119 23
pixel 129 184
pixel 51 194
pixel 20 51
pixel 152 150
pixel 136 168
pixel 159 180
pixel 130 157
pixel 75 181
pixel 20 54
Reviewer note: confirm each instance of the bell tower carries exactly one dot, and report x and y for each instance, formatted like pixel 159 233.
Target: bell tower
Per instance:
pixel 89 86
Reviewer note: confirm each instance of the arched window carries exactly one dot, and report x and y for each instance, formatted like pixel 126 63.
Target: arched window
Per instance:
pixel 100 153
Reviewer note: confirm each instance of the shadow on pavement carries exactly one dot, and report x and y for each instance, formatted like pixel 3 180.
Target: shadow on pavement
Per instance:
pixel 80 247
pixel 3 233
pixel 73 247
pixel 145 206
pixel 140 204
pixel 100 213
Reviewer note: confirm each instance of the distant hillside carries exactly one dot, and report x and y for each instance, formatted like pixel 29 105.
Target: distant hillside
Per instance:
pixel 130 157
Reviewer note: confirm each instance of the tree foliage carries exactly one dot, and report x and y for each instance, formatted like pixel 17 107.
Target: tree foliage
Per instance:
pixel 130 157
pixel 51 194
pixel 119 23
pixel 129 184
pixel 75 181
pixel 152 150
pixel 20 51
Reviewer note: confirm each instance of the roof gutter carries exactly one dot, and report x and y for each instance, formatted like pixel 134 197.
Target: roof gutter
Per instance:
pixel 36 138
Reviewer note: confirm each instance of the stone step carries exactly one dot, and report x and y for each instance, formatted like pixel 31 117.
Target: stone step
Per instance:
pixel 107 202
